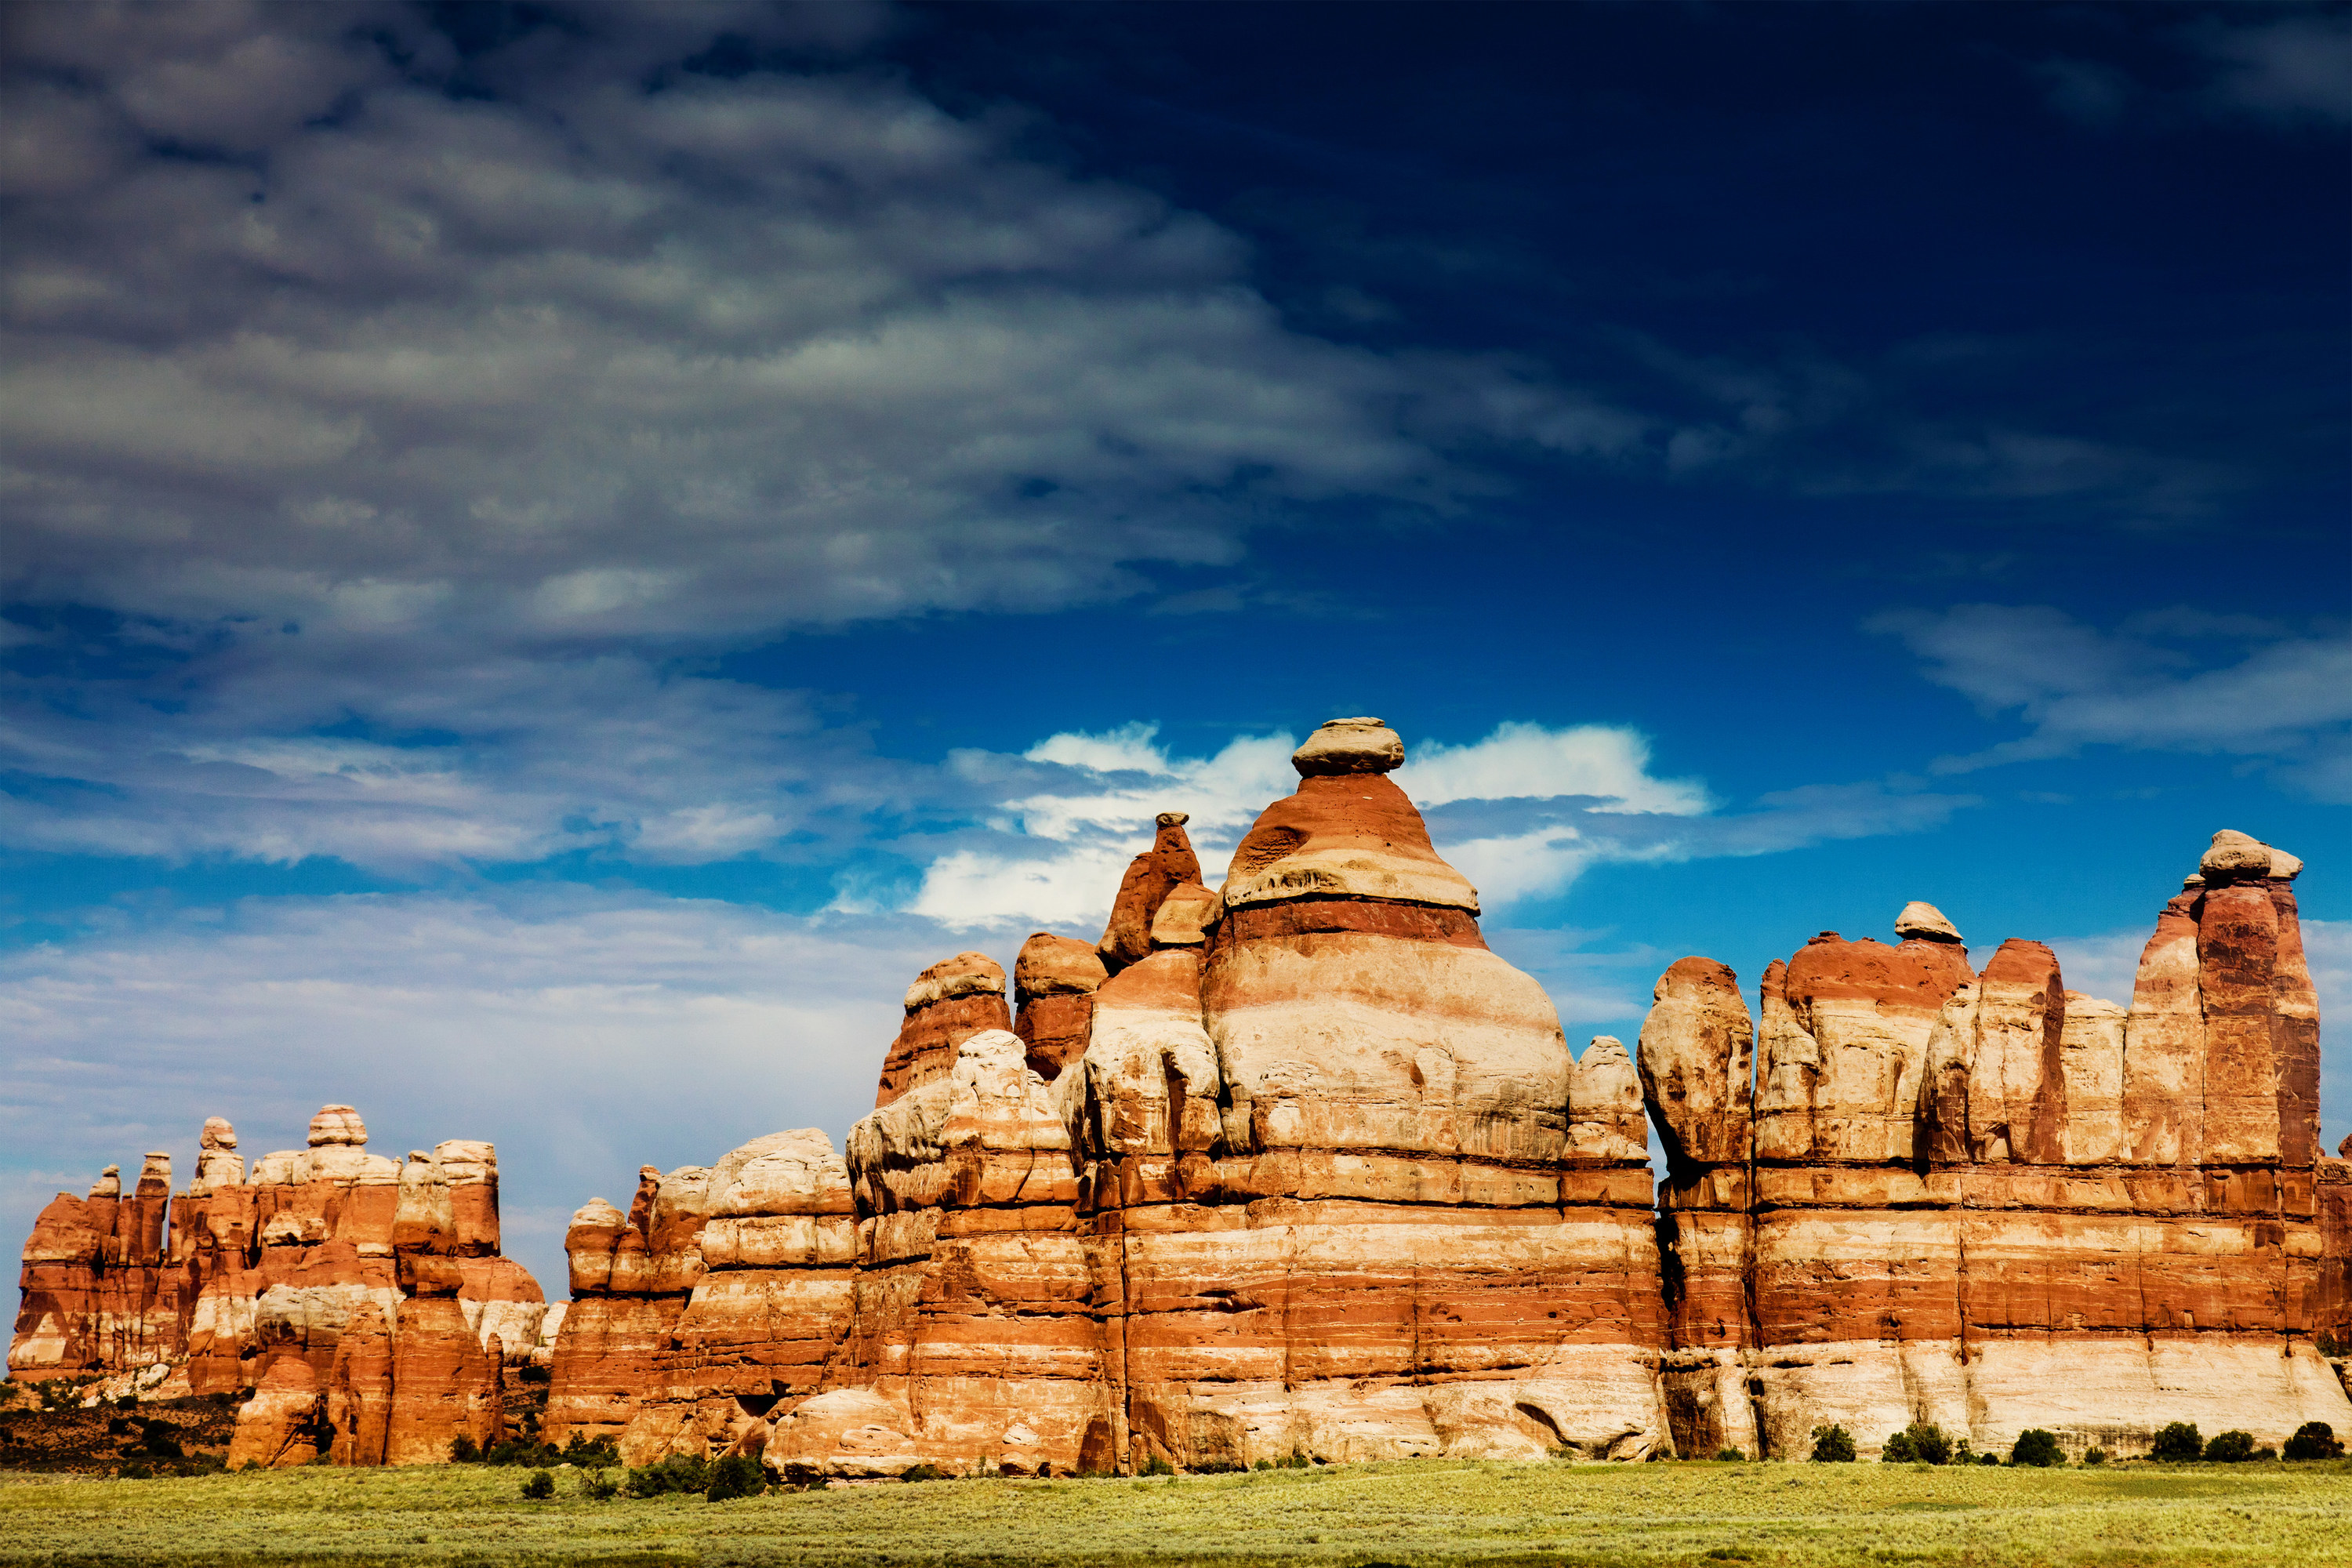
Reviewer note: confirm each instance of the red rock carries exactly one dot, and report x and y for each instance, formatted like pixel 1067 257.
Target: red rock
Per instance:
pixel 1150 877
pixel 292 1285
pixel 359 1400
pixel 769 1315
pixel 444 1386
pixel 284 1422
pixel 1696 1045
pixel 1054 985
pixel 2006 1265
pixel 949 1001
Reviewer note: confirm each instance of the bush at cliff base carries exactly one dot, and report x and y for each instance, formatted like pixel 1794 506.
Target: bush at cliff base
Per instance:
pixel 1832 1445
pixel 2314 1440
pixel 541 1486
pixel 1921 1443
pixel 735 1476
pixel 2178 1444
pixel 678 1473
pixel 2230 1448
pixel 2037 1447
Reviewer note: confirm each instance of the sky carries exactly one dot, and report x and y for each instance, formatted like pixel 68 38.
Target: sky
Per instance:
pixel 551 557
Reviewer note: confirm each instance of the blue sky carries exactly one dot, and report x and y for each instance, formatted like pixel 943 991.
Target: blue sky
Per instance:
pixel 556 554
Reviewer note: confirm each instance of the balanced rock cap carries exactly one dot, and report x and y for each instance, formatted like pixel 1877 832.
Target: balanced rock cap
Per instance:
pixel 1922 920
pixel 1349 746
pixel 219 1133
pixel 2241 856
pixel 337 1124
pixel 965 974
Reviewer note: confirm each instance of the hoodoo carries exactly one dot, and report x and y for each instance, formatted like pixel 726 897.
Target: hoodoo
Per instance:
pixel 1991 1203
pixel 361 1299
pixel 1298 1166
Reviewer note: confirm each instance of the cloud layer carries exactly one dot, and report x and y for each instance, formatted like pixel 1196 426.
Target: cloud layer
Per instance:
pixel 2164 681
pixel 1521 811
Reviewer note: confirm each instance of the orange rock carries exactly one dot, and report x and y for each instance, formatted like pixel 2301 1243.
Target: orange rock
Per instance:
pixel 1054 985
pixel 1150 877
pixel 291 1285
pixel 950 1000
pixel 284 1422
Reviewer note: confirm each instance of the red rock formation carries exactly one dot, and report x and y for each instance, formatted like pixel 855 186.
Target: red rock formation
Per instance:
pixel 303 1284
pixel 768 1312
pixel 949 1001
pixel 1341 1190
pixel 632 1280
pixel 2082 1219
pixel 1695 1054
pixel 1150 877
pixel 1054 985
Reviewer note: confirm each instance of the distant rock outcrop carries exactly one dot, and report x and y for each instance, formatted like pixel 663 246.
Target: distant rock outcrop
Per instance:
pixel 360 1299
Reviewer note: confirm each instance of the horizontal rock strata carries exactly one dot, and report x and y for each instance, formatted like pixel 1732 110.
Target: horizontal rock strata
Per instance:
pixel 1991 1203
pixel 360 1301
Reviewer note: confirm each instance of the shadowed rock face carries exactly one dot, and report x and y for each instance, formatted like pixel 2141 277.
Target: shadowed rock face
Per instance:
pixel 362 1298
pixel 2050 1211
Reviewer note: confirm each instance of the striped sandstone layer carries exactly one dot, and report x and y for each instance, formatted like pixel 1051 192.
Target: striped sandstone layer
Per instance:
pixel 1992 1202
pixel 361 1299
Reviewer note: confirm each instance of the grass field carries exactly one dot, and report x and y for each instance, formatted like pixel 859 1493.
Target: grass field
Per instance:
pixel 1414 1513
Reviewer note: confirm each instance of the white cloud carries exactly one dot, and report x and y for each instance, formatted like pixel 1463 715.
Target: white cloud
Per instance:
pixel 1520 759
pixel 484 759
pixel 586 358
pixel 1521 813
pixel 2289 699
pixel 584 1033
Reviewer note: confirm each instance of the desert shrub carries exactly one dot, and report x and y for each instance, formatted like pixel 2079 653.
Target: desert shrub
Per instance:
pixel 2230 1448
pixel 678 1473
pixel 2265 1453
pixel 2036 1447
pixel 136 1473
pixel 1156 1465
pixel 1297 1461
pixel 588 1455
pixel 1922 1442
pixel 602 1485
pixel 2314 1440
pixel 463 1452
pixel 541 1486
pixel 2329 1344
pixel 2094 1456
pixel 1832 1445
pixel 1730 1456
pixel 737 1475
pixel 2177 1443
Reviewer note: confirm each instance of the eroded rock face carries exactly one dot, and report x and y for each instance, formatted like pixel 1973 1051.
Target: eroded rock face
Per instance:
pixel 950 1000
pixel 1168 864
pixel 301 1284
pixel 2042 1211
pixel 1054 985
pixel 771 1306
pixel 1325 1180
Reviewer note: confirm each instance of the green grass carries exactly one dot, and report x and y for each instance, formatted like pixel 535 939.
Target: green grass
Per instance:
pixel 1419 1513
